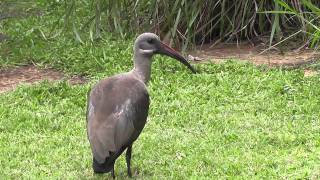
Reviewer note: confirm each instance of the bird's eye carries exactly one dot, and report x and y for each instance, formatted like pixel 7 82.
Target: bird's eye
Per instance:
pixel 150 41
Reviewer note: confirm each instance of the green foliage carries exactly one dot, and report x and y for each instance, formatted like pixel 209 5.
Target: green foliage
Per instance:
pixel 184 23
pixel 198 22
pixel 308 15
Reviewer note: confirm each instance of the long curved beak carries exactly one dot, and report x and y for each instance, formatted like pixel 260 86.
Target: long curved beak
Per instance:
pixel 166 50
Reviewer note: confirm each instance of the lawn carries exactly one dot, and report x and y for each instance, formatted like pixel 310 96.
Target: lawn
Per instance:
pixel 232 120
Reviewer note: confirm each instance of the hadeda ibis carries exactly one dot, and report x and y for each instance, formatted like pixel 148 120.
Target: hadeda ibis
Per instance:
pixel 117 107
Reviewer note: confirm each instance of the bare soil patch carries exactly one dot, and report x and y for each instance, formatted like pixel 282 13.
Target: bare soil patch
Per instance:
pixel 247 52
pixel 11 78
pixel 309 73
pixel 257 55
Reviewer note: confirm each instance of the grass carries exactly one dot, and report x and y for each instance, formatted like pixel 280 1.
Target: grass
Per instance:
pixel 232 120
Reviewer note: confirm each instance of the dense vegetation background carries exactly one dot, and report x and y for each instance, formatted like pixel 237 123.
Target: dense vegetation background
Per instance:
pixel 187 23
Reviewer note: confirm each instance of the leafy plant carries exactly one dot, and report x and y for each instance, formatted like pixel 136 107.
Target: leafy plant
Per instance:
pixel 308 14
pixel 187 23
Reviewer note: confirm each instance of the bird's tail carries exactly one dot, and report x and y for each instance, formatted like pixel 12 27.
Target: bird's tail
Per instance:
pixel 108 164
pixel 105 167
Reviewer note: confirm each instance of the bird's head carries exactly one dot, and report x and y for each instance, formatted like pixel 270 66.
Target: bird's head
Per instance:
pixel 148 44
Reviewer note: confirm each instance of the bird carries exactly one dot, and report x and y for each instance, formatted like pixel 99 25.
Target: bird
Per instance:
pixel 117 106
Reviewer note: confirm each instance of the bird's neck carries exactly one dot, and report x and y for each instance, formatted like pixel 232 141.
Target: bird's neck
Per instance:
pixel 142 67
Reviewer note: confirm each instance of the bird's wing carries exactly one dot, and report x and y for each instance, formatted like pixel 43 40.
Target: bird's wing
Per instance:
pixel 133 119
pixel 116 113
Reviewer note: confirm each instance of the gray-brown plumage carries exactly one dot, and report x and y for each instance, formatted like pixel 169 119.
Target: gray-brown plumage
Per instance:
pixel 117 107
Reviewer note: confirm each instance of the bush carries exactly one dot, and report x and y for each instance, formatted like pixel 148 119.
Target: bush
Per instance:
pixel 187 22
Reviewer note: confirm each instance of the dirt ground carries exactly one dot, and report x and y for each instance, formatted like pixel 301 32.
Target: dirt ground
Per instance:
pixel 257 55
pixel 11 78
pixel 254 54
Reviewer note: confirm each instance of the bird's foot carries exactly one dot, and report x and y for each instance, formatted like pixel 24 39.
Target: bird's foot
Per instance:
pixel 112 174
pixel 129 174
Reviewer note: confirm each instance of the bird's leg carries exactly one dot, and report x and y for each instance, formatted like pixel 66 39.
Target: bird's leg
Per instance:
pixel 112 172
pixel 128 159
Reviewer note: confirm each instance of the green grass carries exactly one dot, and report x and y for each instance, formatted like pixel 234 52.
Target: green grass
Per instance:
pixel 232 120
